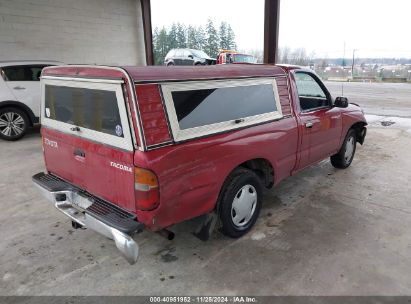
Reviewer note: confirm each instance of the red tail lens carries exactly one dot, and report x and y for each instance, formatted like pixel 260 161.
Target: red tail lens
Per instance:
pixel 146 189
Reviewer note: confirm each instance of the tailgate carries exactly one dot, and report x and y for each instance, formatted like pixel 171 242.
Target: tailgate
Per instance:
pixel 87 137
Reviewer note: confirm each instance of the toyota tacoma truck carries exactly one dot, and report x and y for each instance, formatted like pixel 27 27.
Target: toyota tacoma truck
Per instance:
pixel 133 148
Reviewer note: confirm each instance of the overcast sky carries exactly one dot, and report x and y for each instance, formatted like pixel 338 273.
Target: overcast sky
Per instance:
pixel 376 28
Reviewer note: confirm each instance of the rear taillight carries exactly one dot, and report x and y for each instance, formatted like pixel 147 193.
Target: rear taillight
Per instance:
pixel 146 189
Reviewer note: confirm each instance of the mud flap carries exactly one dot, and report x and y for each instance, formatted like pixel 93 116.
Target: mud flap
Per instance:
pixel 361 135
pixel 206 227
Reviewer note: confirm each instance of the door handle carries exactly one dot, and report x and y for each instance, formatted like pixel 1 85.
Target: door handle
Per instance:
pixel 310 124
pixel 19 88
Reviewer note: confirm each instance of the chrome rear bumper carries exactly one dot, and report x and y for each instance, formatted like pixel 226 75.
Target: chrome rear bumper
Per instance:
pixel 81 208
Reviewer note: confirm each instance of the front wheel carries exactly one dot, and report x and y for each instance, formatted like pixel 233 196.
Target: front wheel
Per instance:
pixel 240 202
pixel 344 157
pixel 13 124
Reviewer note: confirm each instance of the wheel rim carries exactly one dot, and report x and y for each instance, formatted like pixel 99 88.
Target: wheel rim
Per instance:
pixel 244 205
pixel 11 124
pixel 349 149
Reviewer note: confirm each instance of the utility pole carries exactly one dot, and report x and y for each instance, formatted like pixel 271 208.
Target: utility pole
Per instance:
pixel 343 65
pixel 343 61
pixel 353 63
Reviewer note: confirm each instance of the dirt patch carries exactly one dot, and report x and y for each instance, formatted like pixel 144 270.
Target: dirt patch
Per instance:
pixel 167 254
pixel 168 257
pixel 387 123
pixel 279 217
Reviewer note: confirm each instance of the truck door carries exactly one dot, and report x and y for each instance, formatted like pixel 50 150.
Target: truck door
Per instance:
pixel 320 122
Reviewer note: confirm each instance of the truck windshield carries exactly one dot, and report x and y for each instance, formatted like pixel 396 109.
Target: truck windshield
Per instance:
pixel 241 58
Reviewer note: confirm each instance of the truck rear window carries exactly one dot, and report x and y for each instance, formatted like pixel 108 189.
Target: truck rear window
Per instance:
pixel 88 108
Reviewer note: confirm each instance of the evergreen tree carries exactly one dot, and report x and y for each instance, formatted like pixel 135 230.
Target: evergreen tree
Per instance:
pixel 223 36
pixel 201 38
pixel 212 41
pixel 181 36
pixel 172 37
pixel 156 46
pixel 230 38
pixel 192 41
pixel 178 36
pixel 162 45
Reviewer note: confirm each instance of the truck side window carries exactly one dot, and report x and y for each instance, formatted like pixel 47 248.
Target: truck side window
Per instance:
pixel 203 108
pixel 195 108
pixel 311 95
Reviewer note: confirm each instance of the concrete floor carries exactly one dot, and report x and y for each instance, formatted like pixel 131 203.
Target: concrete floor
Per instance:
pixel 321 232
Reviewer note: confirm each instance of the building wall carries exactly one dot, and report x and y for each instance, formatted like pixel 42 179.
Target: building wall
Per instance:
pixel 73 31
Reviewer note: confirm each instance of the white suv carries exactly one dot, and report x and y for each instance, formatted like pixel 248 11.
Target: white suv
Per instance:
pixel 20 96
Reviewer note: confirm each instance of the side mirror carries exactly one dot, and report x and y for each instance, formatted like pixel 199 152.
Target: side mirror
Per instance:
pixel 190 56
pixel 341 102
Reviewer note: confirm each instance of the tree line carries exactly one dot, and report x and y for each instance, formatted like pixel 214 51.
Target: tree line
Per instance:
pixel 300 56
pixel 296 56
pixel 207 38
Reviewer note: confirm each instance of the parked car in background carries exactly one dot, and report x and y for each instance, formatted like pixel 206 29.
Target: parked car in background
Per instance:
pixel 230 56
pixel 20 96
pixel 188 57
pixel 199 142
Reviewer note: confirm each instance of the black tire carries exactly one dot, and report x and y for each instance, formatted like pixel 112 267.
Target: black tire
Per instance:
pixel 170 64
pixel 240 180
pixel 198 63
pixel 341 160
pixel 13 123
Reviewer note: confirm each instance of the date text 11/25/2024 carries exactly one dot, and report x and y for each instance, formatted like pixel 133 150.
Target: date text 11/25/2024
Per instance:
pixel 205 299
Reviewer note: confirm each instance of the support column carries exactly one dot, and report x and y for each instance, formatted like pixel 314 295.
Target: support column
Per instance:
pixel 148 34
pixel 271 30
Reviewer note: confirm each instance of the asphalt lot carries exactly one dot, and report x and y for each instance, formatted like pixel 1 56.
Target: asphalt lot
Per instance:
pixel 386 99
pixel 322 232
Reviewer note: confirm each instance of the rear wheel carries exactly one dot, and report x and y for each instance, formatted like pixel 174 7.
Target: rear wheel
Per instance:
pixel 170 64
pixel 240 202
pixel 13 123
pixel 344 157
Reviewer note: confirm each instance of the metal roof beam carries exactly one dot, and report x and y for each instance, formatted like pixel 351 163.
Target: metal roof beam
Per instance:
pixel 271 30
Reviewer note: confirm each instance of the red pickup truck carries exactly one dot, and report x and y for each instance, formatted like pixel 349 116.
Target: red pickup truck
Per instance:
pixel 129 148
